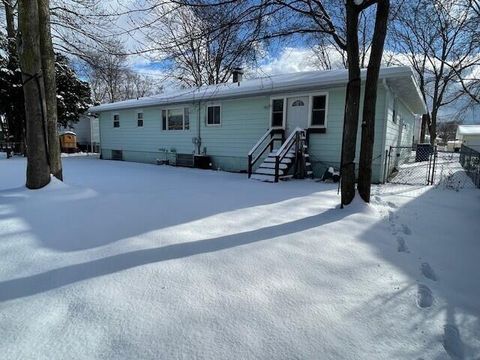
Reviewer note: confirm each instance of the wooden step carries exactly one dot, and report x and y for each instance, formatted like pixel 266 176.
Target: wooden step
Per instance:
pixel 268 171
pixel 260 177
pixel 272 160
pixel 271 165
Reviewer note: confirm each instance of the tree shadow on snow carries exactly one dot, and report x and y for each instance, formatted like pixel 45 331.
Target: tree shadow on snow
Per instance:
pixel 441 264
pixel 53 279
pixel 104 201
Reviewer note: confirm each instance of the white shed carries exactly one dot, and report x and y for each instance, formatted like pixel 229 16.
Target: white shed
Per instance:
pixel 469 135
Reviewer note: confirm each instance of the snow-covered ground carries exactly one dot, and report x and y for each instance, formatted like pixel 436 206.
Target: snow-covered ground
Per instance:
pixel 134 261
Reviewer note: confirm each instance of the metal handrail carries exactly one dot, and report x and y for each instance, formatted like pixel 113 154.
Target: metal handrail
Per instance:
pixel 251 160
pixel 293 139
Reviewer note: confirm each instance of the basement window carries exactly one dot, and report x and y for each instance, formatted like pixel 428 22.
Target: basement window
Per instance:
pixel 213 115
pixel 277 112
pixel 140 119
pixel 116 120
pixel 319 109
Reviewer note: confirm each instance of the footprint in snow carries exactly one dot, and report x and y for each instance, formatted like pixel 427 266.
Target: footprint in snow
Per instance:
pixel 428 272
pixel 406 230
pixel 452 342
pixel 402 245
pixel 391 216
pixel 424 296
pixel 391 204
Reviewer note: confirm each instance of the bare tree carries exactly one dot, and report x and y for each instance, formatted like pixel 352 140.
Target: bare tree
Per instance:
pixel 203 43
pixel 439 39
pixel 38 169
pixel 48 72
pixel 111 78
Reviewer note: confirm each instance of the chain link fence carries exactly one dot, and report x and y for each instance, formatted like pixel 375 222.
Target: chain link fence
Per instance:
pixel 431 165
pixel 470 160
pixel 409 165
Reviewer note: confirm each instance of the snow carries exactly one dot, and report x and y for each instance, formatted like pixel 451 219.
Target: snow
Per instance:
pixel 402 81
pixel 135 261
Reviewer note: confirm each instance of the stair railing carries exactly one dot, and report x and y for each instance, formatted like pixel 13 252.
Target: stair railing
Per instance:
pixel 295 138
pixel 252 158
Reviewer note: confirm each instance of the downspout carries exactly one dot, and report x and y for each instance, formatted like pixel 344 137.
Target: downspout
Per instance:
pixel 199 138
pixel 384 137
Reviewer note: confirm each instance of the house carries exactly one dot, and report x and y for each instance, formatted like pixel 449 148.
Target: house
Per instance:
pixel 232 123
pixel 87 133
pixel 469 135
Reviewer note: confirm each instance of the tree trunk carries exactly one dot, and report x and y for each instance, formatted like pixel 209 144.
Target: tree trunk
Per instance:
pixel 425 122
pixel 433 127
pixel 352 106
pixel 38 169
pixel 370 100
pixel 48 69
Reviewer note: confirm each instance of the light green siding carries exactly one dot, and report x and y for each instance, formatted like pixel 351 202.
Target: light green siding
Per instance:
pixel 399 132
pixel 243 122
pixel 325 149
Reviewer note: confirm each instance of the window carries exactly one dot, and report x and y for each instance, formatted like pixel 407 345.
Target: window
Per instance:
pixel 176 119
pixel 186 118
pixel 277 112
pixel 213 115
pixel 140 119
pixel 117 155
pixel 394 112
pixel 319 105
pixel 116 120
pixel 298 103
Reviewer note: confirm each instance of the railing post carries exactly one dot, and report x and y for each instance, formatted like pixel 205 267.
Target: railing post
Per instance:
pixel 249 166
pixel 385 167
pixel 277 167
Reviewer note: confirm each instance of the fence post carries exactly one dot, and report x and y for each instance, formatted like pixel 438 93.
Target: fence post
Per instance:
pixel 434 162
pixel 385 167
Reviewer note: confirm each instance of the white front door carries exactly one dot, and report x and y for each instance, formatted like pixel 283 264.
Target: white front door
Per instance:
pixel 297 113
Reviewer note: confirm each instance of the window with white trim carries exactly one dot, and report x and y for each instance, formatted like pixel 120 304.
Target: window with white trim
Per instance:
pixel 140 119
pixel 214 115
pixel 394 112
pixel 116 120
pixel 176 119
pixel 277 112
pixel 319 110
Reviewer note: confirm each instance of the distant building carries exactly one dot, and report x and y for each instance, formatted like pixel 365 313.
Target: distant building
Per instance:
pixel 87 132
pixel 469 135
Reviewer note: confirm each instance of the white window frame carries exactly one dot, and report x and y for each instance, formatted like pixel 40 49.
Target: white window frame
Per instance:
pixel 310 109
pixel 140 111
pixel 206 115
pixel 182 109
pixel 284 115
pixel 113 120
pixel 395 110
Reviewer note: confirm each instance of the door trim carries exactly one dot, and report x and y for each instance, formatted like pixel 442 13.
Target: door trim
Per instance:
pixel 310 95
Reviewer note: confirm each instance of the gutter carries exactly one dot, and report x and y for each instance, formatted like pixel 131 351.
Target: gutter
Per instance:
pixel 186 97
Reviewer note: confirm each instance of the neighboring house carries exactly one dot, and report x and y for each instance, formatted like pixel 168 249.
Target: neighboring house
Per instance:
pixel 87 132
pixel 469 135
pixel 226 121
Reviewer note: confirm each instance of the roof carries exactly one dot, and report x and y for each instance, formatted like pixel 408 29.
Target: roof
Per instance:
pixel 468 130
pixel 67 133
pixel 399 79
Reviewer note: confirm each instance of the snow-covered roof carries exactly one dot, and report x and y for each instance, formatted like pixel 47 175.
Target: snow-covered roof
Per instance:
pixel 66 132
pixel 468 130
pixel 399 79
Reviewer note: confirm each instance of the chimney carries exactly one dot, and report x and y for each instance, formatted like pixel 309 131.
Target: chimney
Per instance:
pixel 237 74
